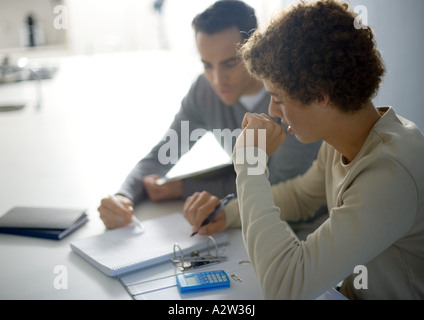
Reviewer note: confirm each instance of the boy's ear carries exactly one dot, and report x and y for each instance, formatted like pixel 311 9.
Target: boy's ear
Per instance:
pixel 324 100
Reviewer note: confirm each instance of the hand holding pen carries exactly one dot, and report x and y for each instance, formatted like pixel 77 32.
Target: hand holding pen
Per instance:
pixel 203 210
pixel 117 211
pixel 134 219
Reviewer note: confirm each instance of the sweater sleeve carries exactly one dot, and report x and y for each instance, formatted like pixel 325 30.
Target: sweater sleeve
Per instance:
pixel 358 230
pixel 302 208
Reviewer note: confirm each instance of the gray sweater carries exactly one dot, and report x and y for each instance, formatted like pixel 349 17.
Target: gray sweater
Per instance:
pixel 204 111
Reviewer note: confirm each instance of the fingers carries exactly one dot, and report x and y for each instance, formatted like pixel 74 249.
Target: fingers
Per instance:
pixel 169 190
pixel 116 214
pixel 198 207
pixel 248 117
pixel 216 225
pixel 258 121
pixel 245 120
pixel 268 139
pixel 126 202
pixel 152 189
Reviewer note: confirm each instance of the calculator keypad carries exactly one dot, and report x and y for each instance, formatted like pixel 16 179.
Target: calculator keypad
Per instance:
pixel 212 277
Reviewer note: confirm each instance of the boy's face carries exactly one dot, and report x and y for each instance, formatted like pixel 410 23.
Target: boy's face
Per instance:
pixel 223 69
pixel 305 121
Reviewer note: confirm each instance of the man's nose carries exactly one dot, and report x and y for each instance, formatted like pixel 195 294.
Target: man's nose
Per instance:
pixel 218 77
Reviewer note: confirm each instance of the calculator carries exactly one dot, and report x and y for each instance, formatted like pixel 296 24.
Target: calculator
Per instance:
pixel 202 281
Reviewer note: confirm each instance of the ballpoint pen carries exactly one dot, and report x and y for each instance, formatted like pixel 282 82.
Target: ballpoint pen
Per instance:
pixel 133 217
pixel 224 201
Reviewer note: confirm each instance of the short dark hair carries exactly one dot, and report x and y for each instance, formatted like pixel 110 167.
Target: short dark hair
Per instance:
pixel 314 49
pixel 225 14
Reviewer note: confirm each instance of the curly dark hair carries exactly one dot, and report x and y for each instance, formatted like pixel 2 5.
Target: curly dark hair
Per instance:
pixel 313 49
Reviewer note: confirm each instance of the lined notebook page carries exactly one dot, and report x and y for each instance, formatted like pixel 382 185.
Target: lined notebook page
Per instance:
pixel 119 251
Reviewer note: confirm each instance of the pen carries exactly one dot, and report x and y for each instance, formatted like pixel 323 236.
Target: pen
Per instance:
pixel 224 201
pixel 133 217
pixel 137 222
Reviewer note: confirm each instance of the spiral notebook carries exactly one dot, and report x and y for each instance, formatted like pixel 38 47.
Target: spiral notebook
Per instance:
pixel 121 251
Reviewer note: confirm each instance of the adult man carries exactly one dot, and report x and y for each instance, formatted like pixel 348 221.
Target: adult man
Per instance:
pixel 218 99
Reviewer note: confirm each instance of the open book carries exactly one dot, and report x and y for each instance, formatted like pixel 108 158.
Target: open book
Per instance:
pixel 120 251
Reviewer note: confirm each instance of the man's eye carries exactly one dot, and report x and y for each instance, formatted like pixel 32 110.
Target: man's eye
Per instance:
pixel 231 65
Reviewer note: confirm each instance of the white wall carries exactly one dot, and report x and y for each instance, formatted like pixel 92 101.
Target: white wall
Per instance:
pixel 120 25
pixel 399 29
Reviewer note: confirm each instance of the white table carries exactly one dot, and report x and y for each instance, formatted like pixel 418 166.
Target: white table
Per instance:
pixel 28 264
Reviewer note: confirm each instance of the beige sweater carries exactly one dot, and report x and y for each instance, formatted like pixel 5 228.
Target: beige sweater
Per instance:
pixel 376 220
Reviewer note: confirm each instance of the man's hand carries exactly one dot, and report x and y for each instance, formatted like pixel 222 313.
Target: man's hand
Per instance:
pixel 167 191
pixel 116 214
pixel 197 209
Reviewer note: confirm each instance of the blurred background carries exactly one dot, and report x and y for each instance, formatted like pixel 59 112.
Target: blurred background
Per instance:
pixel 105 26
pixel 87 87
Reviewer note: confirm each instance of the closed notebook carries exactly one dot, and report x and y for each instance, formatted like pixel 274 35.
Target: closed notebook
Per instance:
pixel 123 250
pixel 42 222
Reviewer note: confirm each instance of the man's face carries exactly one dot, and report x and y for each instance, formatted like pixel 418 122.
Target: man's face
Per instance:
pixel 223 69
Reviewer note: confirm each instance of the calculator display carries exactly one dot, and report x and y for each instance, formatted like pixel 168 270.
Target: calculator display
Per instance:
pixel 191 280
